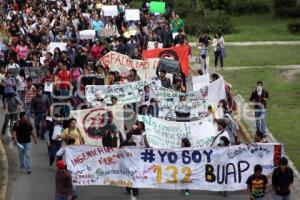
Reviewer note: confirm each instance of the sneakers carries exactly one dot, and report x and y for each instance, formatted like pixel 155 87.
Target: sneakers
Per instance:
pixel 28 172
pixel 186 193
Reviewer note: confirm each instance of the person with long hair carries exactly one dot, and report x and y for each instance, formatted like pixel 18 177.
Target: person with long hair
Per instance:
pixel 21 85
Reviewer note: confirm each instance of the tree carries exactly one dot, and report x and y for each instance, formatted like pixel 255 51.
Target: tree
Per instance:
pixel 220 5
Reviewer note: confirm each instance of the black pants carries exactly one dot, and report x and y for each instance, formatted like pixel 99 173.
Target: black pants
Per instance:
pixel 13 117
pixel 135 191
pixel 218 54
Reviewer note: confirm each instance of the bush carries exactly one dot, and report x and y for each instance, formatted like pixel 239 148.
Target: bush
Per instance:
pixel 287 12
pixel 294 26
pixel 195 26
pixel 284 3
pixel 249 7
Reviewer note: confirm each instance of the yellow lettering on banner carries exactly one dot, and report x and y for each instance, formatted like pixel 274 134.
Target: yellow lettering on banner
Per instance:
pixel 187 171
pixel 158 174
pixel 173 174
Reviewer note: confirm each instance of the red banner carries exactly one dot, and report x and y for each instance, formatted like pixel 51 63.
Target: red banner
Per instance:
pixel 180 53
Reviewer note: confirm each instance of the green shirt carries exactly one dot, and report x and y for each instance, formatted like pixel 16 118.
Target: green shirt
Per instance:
pixel 177 24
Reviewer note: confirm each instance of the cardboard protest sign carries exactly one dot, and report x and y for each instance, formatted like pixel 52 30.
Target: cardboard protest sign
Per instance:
pixel 151 45
pixel 200 81
pixel 95 122
pixel 180 53
pixel 146 69
pixel 161 133
pixel 171 66
pixel 157 7
pixel 108 32
pixel 132 14
pixel 126 93
pixel 87 34
pixel 110 11
pixel 211 168
pixel 53 45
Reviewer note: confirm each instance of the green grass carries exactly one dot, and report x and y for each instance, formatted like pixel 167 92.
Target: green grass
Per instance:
pixel 259 55
pixel 260 28
pixel 283 108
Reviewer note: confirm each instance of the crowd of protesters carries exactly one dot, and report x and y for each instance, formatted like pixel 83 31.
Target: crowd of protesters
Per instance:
pixel 28 28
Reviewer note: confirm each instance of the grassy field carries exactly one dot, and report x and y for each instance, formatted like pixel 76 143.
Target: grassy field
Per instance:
pixel 258 55
pixel 284 105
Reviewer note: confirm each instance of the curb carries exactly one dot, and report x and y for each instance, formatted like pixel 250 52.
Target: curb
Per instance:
pixel 3 191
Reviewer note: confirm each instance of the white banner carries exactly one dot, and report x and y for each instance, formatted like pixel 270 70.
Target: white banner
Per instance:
pixel 126 93
pixel 216 91
pixel 110 11
pixel 213 169
pixel 200 81
pixel 61 45
pixel 132 14
pixel 87 34
pixel 146 69
pixel 152 46
pixel 95 122
pixel 168 134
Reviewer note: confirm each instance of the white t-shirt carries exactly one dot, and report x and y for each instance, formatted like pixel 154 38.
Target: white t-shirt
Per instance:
pixel 21 83
pixel 217 140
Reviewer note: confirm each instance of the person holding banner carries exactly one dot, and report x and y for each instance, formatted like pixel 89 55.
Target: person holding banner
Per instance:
pixel 73 132
pixel 185 143
pixel 222 132
pixel 257 184
pixel 129 142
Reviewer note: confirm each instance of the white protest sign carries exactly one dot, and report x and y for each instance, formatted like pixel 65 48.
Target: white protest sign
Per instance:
pixel 48 87
pixel 161 133
pixel 216 91
pixel 151 45
pixel 87 34
pixel 146 69
pixel 200 81
pixel 61 45
pixel 42 59
pixel 57 131
pixel 132 14
pixel 212 169
pixel 110 11
pixel 95 122
pixel 126 93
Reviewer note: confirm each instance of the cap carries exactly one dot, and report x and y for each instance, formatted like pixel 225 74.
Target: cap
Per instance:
pixel 60 164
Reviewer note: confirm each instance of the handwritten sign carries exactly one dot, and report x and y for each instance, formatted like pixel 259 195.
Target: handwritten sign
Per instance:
pixel 126 93
pixel 171 66
pixel 87 34
pixel 132 14
pixel 146 69
pixel 211 169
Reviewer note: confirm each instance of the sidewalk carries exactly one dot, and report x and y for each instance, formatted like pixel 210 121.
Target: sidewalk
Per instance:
pixel 257 43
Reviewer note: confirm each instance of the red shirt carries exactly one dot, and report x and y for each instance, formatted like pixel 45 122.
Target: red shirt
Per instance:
pixel 64 77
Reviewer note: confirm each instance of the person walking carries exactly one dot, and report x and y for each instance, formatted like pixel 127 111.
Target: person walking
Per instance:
pixel 259 98
pixel 185 143
pixel 282 180
pixel 129 142
pixel 63 182
pixel 73 132
pixel 12 105
pixel 39 107
pixel 203 45
pixel 219 49
pixel 22 133
pixel 257 184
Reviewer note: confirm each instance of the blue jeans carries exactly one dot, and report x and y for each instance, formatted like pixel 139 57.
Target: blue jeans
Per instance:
pixel 61 198
pixel 25 156
pixel 37 120
pixel 285 197
pixel 28 109
pixel 260 119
